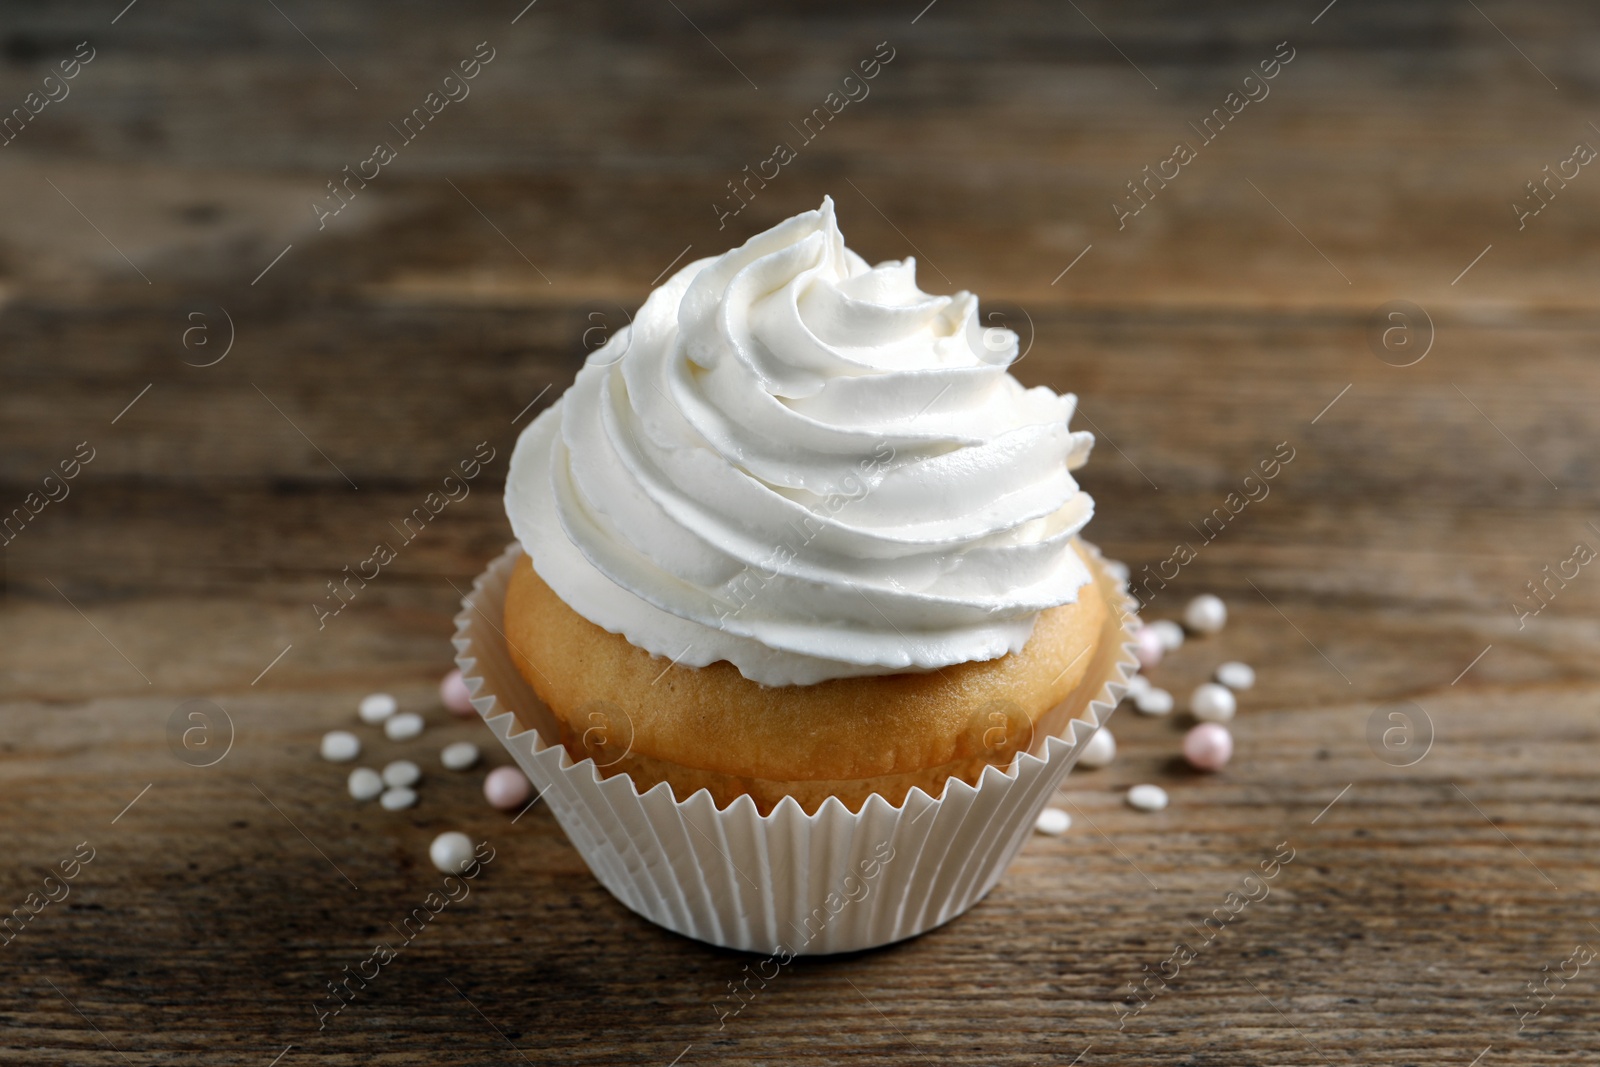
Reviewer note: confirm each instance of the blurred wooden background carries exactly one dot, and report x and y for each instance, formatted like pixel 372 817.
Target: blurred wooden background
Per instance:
pixel 160 208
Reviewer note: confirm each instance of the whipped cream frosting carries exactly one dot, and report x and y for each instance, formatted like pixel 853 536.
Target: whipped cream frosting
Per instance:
pixel 805 465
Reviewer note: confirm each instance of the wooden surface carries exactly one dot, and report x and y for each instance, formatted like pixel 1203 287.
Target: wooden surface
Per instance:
pixel 1225 318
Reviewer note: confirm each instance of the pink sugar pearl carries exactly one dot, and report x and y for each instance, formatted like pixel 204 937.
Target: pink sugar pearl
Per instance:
pixel 1208 747
pixel 453 691
pixel 506 788
pixel 1148 647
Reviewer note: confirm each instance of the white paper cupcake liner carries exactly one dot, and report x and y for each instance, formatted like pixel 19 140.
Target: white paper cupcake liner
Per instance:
pixel 787 882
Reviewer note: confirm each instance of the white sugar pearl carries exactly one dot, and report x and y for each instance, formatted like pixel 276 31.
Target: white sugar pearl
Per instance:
pixel 404 726
pixel 1136 685
pixel 1206 614
pixel 1168 632
pixel 402 773
pixel 459 756
pixel 340 746
pixel 1101 749
pixel 397 798
pixel 1147 797
pixel 1236 676
pixel 1211 702
pixel 376 707
pixel 451 851
pixel 365 783
pixel 1154 702
pixel 1053 821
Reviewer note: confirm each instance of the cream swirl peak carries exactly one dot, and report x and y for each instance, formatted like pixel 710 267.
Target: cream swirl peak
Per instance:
pixel 808 467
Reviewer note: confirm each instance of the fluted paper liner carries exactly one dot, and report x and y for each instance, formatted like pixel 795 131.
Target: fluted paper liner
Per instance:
pixel 789 882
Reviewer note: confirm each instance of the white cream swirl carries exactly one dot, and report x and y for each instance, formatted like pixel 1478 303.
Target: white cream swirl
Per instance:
pixel 807 467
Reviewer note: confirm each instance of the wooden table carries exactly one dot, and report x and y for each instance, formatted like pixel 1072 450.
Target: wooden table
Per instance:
pixel 161 211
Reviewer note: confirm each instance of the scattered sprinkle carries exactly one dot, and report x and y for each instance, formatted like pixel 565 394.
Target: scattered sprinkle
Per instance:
pixel 1147 797
pixel 1100 751
pixel 403 727
pixel 506 788
pixel 1053 821
pixel 365 783
pixel 451 852
pixel 340 746
pixel 376 707
pixel 1154 701
pixel 1205 614
pixel 1168 632
pixel 1148 647
pixel 1236 676
pixel 1208 747
pixel 459 756
pixel 402 773
pixel 1211 702
pixel 397 798
pixel 453 691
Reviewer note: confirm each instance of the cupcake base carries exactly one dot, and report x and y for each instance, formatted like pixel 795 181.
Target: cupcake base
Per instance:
pixel 787 881
pixel 711 728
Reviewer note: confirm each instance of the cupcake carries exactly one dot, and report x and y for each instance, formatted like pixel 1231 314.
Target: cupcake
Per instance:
pixel 796 550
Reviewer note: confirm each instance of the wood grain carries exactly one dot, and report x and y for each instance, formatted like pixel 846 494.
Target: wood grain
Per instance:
pixel 377 352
